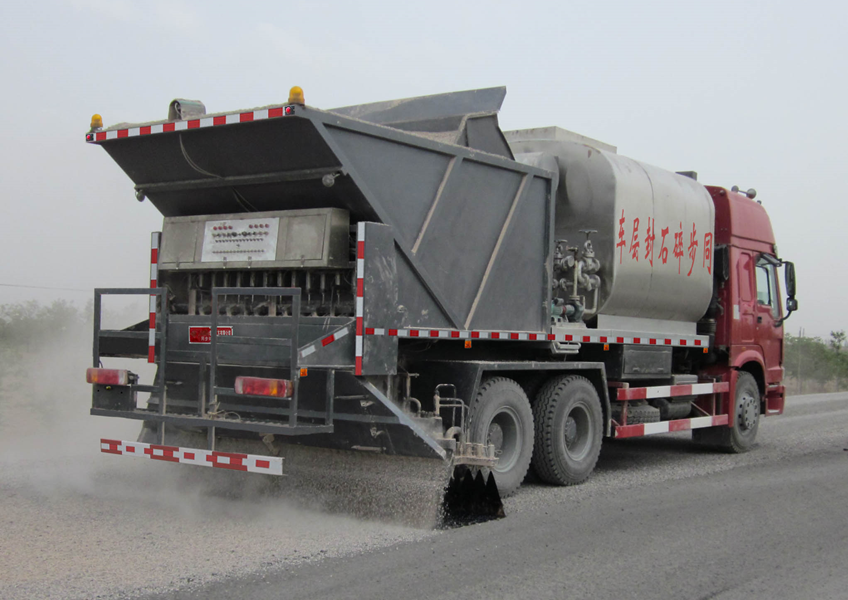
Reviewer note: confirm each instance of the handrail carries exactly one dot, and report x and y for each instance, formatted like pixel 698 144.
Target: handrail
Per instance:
pixel 159 334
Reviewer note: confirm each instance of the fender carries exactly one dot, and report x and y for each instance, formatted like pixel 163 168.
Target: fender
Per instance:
pixel 747 355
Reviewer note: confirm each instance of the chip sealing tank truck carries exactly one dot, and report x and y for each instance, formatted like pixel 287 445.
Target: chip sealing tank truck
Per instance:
pixel 403 281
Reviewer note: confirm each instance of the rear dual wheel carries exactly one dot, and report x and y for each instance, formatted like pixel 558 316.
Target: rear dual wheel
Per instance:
pixel 569 426
pixel 564 444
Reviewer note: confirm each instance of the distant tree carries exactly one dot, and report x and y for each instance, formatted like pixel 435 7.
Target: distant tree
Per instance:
pixel 839 356
pixel 811 360
pixel 28 325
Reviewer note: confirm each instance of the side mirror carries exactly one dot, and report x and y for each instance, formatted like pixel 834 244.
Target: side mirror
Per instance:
pixel 789 275
pixel 791 302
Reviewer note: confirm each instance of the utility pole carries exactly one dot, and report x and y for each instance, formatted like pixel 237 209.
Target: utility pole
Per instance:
pixel 800 353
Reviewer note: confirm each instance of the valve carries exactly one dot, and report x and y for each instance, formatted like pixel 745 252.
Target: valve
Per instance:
pixel 563 261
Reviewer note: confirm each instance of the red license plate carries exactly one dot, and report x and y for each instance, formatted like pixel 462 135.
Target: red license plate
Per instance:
pixel 203 335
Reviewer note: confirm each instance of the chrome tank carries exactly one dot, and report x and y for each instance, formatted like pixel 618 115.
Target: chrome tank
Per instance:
pixel 626 202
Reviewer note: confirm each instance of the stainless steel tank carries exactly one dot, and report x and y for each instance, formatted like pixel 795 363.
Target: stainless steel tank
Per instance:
pixel 654 228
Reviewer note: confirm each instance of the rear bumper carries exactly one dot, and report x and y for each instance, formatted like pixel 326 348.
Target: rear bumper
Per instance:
pixel 233 461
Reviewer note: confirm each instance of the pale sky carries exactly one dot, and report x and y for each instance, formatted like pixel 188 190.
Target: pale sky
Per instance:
pixel 746 93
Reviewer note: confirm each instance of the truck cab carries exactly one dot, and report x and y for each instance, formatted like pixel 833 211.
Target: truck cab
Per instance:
pixel 748 311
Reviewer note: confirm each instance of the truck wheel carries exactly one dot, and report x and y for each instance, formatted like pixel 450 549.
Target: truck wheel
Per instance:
pixel 740 436
pixel 568 430
pixel 531 383
pixel 501 416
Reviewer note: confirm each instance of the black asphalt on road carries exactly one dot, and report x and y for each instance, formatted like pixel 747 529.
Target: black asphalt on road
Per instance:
pixel 660 518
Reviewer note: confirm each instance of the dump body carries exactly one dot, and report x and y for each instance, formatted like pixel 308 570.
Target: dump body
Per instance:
pixel 460 263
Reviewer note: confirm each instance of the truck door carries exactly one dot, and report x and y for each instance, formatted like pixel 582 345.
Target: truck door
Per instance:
pixel 768 311
pixel 745 308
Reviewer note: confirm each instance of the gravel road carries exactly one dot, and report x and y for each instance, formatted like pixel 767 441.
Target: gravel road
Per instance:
pixel 659 518
pixel 80 524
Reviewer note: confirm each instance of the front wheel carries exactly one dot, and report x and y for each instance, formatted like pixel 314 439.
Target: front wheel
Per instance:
pixel 741 433
pixel 569 425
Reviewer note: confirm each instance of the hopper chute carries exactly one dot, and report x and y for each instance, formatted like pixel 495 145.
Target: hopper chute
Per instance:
pixel 414 165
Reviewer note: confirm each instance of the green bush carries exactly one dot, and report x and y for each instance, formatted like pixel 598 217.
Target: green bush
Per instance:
pixel 28 326
pixel 815 364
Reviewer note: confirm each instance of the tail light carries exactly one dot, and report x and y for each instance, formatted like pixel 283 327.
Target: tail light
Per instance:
pixel 259 386
pixel 108 376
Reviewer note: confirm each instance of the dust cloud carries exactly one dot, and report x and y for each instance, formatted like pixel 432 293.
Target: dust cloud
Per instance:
pixel 77 523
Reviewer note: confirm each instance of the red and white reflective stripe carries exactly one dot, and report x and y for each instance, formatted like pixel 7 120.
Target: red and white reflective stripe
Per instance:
pixel 155 237
pixel 670 391
pixel 592 336
pixel 625 431
pixel 326 341
pixel 210 121
pixel 268 465
pixel 360 289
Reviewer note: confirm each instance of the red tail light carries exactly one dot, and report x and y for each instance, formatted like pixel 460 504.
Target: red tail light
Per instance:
pixel 259 386
pixel 108 376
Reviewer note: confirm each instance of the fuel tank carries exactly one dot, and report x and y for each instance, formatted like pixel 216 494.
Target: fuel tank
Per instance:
pixel 652 230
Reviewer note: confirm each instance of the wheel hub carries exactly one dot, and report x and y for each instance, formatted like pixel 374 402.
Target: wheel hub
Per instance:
pixel 748 412
pixel 504 434
pixel 570 431
pixel 576 432
pixel 496 438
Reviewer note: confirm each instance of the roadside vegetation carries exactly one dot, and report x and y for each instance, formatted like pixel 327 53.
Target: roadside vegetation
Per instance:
pixel 30 328
pixel 49 345
pixel 814 364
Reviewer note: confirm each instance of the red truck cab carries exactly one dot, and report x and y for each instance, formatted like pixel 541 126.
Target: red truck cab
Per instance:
pixel 749 317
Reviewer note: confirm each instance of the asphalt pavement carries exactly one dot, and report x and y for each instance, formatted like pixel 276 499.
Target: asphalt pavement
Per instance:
pixel 661 518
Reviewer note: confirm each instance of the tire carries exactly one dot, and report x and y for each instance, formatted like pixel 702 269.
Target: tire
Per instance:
pixel 532 382
pixel 742 433
pixel 501 415
pixel 569 426
pixel 637 413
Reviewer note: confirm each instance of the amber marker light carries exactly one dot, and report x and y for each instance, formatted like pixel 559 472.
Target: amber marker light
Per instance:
pixel 296 95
